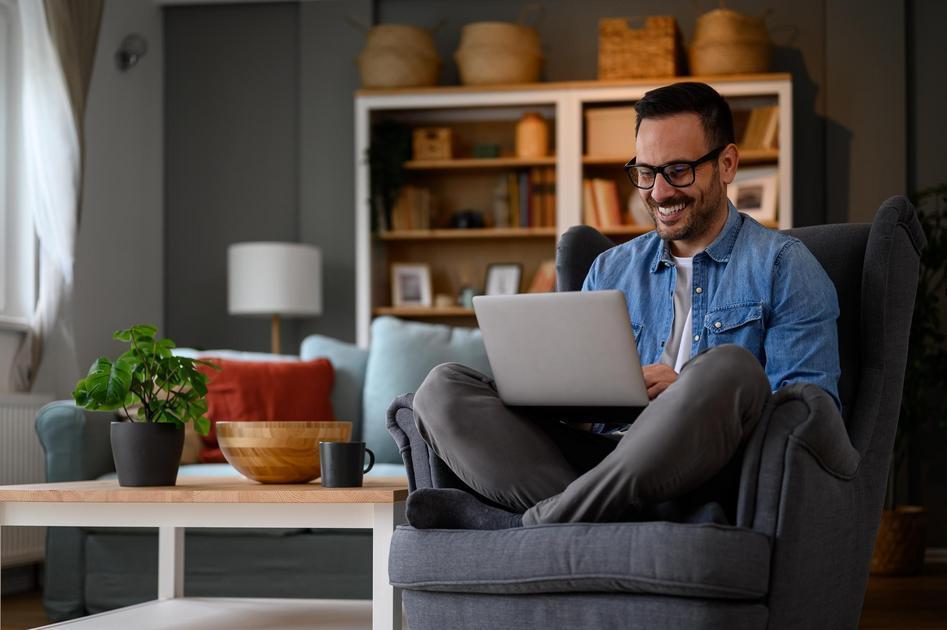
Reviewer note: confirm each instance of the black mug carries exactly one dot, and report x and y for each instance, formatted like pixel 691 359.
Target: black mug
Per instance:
pixel 341 463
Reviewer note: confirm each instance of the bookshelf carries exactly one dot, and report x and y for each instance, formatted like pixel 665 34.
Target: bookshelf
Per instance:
pixel 459 257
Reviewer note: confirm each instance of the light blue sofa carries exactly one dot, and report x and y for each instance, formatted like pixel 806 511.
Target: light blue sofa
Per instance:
pixel 89 570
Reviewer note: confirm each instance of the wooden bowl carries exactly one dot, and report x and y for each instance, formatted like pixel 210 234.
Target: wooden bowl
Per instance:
pixel 277 451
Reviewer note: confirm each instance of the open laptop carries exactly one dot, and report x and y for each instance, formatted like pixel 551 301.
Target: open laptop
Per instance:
pixel 570 354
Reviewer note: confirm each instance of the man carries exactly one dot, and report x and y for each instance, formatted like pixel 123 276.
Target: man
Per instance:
pixel 724 311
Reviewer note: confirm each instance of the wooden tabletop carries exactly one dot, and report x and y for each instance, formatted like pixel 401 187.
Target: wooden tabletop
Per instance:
pixel 207 490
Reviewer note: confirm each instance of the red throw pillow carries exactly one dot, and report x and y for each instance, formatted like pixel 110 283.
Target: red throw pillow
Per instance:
pixel 262 390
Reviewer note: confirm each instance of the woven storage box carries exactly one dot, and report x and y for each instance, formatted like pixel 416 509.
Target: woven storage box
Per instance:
pixel 654 50
pixel 727 42
pixel 432 143
pixel 610 132
pixel 398 55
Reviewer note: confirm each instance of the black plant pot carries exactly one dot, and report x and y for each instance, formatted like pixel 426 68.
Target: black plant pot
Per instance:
pixel 147 454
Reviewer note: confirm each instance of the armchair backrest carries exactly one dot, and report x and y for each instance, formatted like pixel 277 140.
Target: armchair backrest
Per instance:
pixel 866 263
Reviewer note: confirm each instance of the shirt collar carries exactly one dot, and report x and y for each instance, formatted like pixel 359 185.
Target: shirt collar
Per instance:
pixel 719 250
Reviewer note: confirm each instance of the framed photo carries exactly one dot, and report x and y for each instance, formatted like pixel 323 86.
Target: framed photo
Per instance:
pixel 410 284
pixel 755 197
pixel 503 279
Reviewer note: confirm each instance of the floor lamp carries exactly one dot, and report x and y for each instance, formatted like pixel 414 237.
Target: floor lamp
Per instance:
pixel 274 280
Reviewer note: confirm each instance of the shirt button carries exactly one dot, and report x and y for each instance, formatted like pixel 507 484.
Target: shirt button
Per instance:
pixel 698 290
pixel 717 324
pixel 696 337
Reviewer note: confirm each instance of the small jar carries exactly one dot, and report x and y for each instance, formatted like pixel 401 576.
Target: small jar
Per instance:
pixel 532 136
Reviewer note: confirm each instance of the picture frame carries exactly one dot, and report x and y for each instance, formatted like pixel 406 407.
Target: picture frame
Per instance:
pixel 503 279
pixel 411 285
pixel 755 197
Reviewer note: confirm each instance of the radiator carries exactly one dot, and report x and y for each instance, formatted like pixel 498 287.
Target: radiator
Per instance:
pixel 21 461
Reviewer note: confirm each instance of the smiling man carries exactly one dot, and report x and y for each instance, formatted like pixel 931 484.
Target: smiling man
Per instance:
pixel 724 312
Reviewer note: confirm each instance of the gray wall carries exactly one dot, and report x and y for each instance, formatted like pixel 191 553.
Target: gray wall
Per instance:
pixel 232 159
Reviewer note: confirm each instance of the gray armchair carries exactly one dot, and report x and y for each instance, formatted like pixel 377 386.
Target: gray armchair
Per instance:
pixel 811 486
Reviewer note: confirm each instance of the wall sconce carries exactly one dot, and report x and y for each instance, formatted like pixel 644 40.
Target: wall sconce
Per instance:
pixel 130 51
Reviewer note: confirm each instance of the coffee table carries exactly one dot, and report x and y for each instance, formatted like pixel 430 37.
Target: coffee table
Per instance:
pixel 215 502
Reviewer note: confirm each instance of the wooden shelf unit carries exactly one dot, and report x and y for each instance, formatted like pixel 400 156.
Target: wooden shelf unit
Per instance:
pixel 459 257
pixel 478 163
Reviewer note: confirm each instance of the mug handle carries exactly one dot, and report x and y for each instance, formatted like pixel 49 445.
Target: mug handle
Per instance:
pixel 371 460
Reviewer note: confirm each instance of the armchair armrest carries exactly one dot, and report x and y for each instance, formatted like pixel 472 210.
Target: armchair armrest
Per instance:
pixel 805 485
pixel 76 442
pixel 802 416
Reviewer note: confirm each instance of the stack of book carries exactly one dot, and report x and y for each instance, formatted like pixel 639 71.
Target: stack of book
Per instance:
pixel 601 207
pixel 761 128
pixel 412 211
pixel 531 198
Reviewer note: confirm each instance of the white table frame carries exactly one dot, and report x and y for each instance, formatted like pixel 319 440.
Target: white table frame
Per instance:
pixel 172 518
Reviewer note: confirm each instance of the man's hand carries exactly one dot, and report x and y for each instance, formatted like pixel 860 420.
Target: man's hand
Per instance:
pixel 657 378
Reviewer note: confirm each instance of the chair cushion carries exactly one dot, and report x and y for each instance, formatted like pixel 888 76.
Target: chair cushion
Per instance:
pixel 687 560
pixel 400 356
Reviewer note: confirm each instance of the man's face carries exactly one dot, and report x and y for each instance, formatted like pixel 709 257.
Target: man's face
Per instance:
pixel 693 214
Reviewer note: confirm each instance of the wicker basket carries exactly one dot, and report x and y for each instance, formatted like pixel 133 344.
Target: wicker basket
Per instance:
pixel 397 55
pixel 654 50
pixel 727 42
pixel 492 53
pixel 902 536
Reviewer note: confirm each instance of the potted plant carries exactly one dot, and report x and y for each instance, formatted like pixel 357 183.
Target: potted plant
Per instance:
pixel 899 549
pixel 168 392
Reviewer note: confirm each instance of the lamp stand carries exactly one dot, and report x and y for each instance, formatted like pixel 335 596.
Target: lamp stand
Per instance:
pixel 274 335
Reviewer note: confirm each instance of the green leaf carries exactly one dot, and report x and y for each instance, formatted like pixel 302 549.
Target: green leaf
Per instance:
pixel 202 425
pixel 122 335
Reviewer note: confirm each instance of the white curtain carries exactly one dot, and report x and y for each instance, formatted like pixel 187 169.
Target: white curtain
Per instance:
pixel 50 178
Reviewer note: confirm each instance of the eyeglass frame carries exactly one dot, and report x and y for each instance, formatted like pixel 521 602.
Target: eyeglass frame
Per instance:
pixel 659 170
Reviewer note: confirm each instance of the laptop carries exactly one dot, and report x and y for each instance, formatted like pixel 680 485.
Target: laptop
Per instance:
pixel 568 354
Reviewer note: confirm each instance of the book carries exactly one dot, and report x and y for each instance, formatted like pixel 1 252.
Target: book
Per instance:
pixel 761 128
pixel 537 194
pixel 544 280
pixel 523 189
pixel 589 211
pixel 550 198
pixel 605 192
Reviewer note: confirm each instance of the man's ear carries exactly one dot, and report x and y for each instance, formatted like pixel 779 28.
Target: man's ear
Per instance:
pixel 728 160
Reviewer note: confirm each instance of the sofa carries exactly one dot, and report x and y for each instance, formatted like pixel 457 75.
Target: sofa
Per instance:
pixel 809 490
pixel 90 570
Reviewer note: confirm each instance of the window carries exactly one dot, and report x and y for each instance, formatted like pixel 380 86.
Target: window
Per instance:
pixel 17 240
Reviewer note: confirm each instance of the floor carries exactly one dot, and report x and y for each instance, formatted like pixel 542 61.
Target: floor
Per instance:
pixel 907 603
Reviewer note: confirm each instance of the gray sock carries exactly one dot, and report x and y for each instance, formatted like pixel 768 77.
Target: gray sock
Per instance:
pixel 447 508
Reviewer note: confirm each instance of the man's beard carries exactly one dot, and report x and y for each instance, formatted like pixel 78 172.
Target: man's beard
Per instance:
pixel 701 212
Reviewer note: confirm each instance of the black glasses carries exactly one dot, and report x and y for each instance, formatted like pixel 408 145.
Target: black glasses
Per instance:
pixel 677 174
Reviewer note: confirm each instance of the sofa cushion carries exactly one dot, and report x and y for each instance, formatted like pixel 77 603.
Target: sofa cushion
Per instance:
pixel 676 559
pixel 349 362
pixel 265 390
pixel 400 356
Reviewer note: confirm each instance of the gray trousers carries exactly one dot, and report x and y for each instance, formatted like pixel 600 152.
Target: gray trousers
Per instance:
pixel 554 473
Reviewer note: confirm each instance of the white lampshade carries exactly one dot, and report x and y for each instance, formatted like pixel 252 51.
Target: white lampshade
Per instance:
pixel 274 279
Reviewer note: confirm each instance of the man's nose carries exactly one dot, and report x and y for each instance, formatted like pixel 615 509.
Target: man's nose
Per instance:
pixel 662 190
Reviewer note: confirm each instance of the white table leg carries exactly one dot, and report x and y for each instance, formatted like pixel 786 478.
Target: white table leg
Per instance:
pixel 170 562
pixel 386 600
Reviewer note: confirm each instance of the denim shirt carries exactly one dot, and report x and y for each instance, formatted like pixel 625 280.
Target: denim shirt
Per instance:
pixel 752 286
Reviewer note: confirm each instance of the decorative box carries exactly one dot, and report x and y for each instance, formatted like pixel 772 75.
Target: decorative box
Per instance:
pixel 432 143
pixel 654 50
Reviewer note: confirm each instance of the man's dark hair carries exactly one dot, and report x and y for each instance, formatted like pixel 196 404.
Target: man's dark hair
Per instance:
pixel 690 98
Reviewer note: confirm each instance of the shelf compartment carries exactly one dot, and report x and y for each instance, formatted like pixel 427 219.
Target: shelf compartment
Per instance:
pixel 478 163
pixel 471 233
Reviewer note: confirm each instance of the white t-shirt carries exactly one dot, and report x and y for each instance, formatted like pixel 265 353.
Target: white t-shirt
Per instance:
pixel 677 350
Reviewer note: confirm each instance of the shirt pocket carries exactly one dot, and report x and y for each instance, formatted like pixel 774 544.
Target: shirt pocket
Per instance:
pixel 741 324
